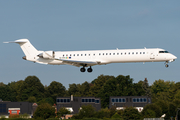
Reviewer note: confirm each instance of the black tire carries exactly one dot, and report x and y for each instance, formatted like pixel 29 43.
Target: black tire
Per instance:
pixel 82 69
pixel 89 70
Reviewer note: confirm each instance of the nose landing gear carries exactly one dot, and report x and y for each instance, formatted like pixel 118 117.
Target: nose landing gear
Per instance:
pixel 166 64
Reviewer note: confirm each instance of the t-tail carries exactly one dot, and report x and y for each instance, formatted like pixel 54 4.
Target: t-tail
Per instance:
pixel 29 50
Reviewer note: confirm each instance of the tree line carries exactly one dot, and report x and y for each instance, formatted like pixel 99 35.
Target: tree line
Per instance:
pixel 164 94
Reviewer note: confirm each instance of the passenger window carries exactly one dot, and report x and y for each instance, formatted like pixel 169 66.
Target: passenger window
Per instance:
pixel 99 53
pixel 94 54
pixel 117 53
pixel 74 55
pixel 143 52
pixel 70 54
pixel 109 53
pixel 63 55
pixel 136 52
pixel 121 53
pixel 140 52
pixel 89 54
pixel 103 53
pixel 129 53
pixel 125 53
pixel 113 53
pixel 133 53
pixel 77 54
pixel 106 53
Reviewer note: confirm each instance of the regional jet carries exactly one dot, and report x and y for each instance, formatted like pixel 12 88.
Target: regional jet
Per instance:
pixel 90 58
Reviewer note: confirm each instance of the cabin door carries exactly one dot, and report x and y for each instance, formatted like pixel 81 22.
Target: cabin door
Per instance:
pixel 152 55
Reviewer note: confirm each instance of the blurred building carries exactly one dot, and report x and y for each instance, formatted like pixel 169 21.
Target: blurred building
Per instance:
pixel 121 102
pixel 73 104
pixel 17 108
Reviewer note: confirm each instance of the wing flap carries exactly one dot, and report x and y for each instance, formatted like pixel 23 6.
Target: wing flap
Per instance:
pixel 79 63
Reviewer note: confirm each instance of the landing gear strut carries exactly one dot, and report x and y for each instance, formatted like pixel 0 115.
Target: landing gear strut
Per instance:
pixel 166 64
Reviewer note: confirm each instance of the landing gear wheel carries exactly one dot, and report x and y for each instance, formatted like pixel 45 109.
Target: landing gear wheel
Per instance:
pixel 89 69
pixel 166 65
pixel 83 69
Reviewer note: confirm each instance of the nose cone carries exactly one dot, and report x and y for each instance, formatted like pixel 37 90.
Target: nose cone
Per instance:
pixel 174 57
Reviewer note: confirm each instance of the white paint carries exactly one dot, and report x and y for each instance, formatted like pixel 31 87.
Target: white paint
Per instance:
pixel 94 57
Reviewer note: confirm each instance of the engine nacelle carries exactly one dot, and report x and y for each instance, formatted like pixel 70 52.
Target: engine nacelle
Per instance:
pixel 47 54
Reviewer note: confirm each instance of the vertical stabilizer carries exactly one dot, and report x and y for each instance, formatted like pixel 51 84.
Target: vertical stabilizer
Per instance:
pixel 28 49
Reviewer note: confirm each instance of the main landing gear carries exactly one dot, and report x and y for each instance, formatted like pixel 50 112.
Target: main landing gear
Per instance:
pixel 89 69
pixel 166 64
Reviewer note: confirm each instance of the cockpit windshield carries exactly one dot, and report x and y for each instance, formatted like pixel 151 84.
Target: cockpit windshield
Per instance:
pixel 163 52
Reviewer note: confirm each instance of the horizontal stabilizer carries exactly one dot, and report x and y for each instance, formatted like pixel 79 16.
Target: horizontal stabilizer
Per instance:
pixel 18 41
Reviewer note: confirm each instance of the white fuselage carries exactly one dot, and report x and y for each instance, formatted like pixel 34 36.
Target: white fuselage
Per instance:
pixel 94 57
pixel 111 56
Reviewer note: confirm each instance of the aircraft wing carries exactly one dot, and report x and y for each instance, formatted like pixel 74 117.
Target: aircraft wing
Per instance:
pixel 79 63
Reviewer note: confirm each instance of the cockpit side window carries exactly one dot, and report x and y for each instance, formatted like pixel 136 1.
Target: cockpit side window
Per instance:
pixel 163 52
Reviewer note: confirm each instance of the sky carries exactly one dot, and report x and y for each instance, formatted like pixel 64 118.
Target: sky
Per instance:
pixel 71 25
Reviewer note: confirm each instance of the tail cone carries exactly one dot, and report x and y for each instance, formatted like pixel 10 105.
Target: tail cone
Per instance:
pixel 24 57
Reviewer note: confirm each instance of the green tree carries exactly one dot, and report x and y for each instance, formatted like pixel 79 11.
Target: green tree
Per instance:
pixel 73 89
pixel 124 85
pixel 149 114
pixel 112 110
pixel 31 99
pixel 172 108
pixel 154 108
pixel 116 116
pixel 62 112
pixel 48 100
pixel 2 84
pixel 130 113
pixel 109 89
pixel 138 90
pixel 44 111
pixel 56 89
pixel 83 89
pixel 87 111
pixel 163 105
pixel 119 86
pixel 98 83
pixel 160 87
pixel 7 93
pixel 103 113
pixel 146 88
pixel 18 89
pixel 31 87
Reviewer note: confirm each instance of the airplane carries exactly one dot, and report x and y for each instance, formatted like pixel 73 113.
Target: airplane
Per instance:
pixel 94 57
